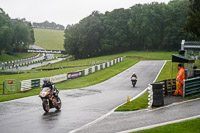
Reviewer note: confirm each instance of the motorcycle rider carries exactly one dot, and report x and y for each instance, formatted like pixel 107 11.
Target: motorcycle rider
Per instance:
pixel 134 78
pixel 48 83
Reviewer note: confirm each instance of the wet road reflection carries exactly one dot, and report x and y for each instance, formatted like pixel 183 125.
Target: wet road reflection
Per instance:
pixel 49 120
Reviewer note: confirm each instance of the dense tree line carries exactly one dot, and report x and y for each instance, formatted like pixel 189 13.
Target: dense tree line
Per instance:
pixel 147 27
pixel 48 25
pixel 193 21
pixel 14 33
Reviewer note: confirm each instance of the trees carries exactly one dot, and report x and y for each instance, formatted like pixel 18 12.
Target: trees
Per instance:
pixel 115 36
pixel 154 26
pixel 48 25
pixel 83 40
pixel 193 21
pixel 6 31
pixel 176 15
pixel 14 33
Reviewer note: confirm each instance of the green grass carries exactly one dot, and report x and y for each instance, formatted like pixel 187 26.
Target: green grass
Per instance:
pixel 138 103
pixel 167 70
pixel 189 126
pixel 133 55
pixel 99 76
pixel 17 56
pixel 197 64
pixel 81 82
pixel 19 95
pixel 41 74
pixel 49 39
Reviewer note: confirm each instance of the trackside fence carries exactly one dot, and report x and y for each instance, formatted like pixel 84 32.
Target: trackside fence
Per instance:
pixel 18 63
pixel 35 83
pixel 191 86
pixel 11 86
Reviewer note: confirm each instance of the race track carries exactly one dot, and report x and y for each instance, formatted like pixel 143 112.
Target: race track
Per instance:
pixel 79 106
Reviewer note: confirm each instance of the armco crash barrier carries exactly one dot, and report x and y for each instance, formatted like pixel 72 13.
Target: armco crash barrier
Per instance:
pixel 34 83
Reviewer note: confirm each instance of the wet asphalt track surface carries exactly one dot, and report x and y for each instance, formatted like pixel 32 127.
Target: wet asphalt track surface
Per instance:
pixel 128 122
pixel 79 106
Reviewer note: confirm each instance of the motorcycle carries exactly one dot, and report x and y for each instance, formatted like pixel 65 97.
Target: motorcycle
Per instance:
pixel 133 80
pixel 49 100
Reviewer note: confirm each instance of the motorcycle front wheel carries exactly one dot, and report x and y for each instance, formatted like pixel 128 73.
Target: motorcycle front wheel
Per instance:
pixel 133 83
pixel 45 105
pixel 59 103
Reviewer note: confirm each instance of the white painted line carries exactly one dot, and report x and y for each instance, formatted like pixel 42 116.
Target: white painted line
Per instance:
pixel 159 71
pixel 160 124
pixel 103 116
pixel 109 113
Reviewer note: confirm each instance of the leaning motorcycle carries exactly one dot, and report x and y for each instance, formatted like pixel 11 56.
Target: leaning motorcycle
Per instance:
pixel 134 81
pixel 49 100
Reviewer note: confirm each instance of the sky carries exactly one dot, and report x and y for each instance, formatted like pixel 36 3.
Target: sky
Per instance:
pixel 63 11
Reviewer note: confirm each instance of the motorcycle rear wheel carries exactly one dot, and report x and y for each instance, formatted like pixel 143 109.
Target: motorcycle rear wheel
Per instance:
pixel 59 104
pixel 45 105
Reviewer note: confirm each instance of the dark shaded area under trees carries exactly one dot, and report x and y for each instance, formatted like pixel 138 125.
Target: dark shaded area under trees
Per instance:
pixel 48 25
pixel 147 27
pixel 14 33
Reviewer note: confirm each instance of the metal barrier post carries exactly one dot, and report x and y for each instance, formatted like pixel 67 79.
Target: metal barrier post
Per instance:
pixel 3 88
pixel 184 88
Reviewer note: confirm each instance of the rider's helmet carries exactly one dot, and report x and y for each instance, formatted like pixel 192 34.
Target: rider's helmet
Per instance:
pixel 46 80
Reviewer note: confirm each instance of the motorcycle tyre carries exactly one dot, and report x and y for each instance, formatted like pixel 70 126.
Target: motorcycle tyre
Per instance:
pixel 133 83
pixel 59 104
pixel 45 105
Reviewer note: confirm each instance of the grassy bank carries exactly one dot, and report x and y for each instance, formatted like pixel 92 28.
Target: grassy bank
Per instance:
pixel 189 126
pixel 16 56
pixel 130 59
pixel 49 39
pixel 80 82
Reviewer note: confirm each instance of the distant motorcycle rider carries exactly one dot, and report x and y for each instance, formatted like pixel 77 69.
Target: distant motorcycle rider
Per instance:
pixel 134 79
pixel 48 83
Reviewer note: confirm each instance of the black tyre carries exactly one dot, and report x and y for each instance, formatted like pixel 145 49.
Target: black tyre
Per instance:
pixel 59 103
pixel 133 83
pixel 45 105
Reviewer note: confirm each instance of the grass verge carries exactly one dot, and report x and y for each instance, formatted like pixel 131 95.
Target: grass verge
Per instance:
pixel 189 126
pixel 80 82
pixel 139 103
pixel 19 95
pixel 16 56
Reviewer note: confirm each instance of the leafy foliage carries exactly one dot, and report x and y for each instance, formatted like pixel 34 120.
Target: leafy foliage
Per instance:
pixel 193 21
pixel 48 25
pixel 14 33
pixel 148 27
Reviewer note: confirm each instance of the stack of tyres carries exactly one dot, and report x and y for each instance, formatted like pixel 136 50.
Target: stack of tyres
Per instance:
pixel 158 99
